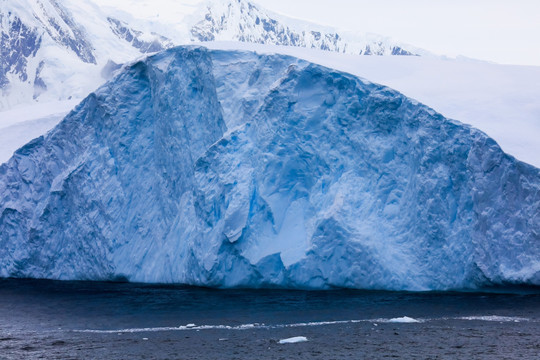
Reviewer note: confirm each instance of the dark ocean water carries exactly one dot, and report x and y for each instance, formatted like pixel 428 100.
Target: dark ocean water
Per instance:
pixel 88 320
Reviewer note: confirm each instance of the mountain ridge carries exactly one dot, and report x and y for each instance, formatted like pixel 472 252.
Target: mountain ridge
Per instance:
pixel 244 21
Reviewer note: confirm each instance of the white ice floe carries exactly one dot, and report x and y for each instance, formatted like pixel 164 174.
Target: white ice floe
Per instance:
pixel 403 319
pixel 293 340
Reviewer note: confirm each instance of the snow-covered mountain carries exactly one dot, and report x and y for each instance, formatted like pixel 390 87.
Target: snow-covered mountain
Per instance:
pixel 55 50
pixel 58 49
pixel 225 168
pixel 244 21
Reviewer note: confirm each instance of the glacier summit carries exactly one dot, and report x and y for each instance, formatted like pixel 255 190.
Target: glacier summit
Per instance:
pixel 229 168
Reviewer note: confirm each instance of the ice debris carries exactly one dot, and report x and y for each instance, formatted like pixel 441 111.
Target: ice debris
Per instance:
pixel 293 340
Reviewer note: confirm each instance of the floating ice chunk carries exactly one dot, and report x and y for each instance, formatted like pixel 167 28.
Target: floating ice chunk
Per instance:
pixel 293 340
pixel 403 319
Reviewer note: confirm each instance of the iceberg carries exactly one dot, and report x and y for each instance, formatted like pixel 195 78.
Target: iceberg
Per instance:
pixel 235 169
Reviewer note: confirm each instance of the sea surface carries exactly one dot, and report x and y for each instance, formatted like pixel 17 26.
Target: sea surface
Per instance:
pixel 42 319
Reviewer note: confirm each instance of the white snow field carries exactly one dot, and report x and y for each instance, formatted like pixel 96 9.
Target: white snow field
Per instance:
pixel 233 169
pixel 24 123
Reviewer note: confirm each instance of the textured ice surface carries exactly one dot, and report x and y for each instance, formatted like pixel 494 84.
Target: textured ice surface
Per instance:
pixel 226 169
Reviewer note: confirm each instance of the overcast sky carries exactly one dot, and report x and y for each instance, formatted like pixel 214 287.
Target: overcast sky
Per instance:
pixel 503 31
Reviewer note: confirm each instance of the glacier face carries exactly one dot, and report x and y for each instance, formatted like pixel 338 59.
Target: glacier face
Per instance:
pixel 228 168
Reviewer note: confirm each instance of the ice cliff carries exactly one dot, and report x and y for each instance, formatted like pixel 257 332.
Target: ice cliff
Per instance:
pixel 225 168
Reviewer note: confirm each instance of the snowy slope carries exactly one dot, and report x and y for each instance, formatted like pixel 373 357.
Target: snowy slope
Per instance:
pixel 228 169
pixel 22 124
pixel 57 50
